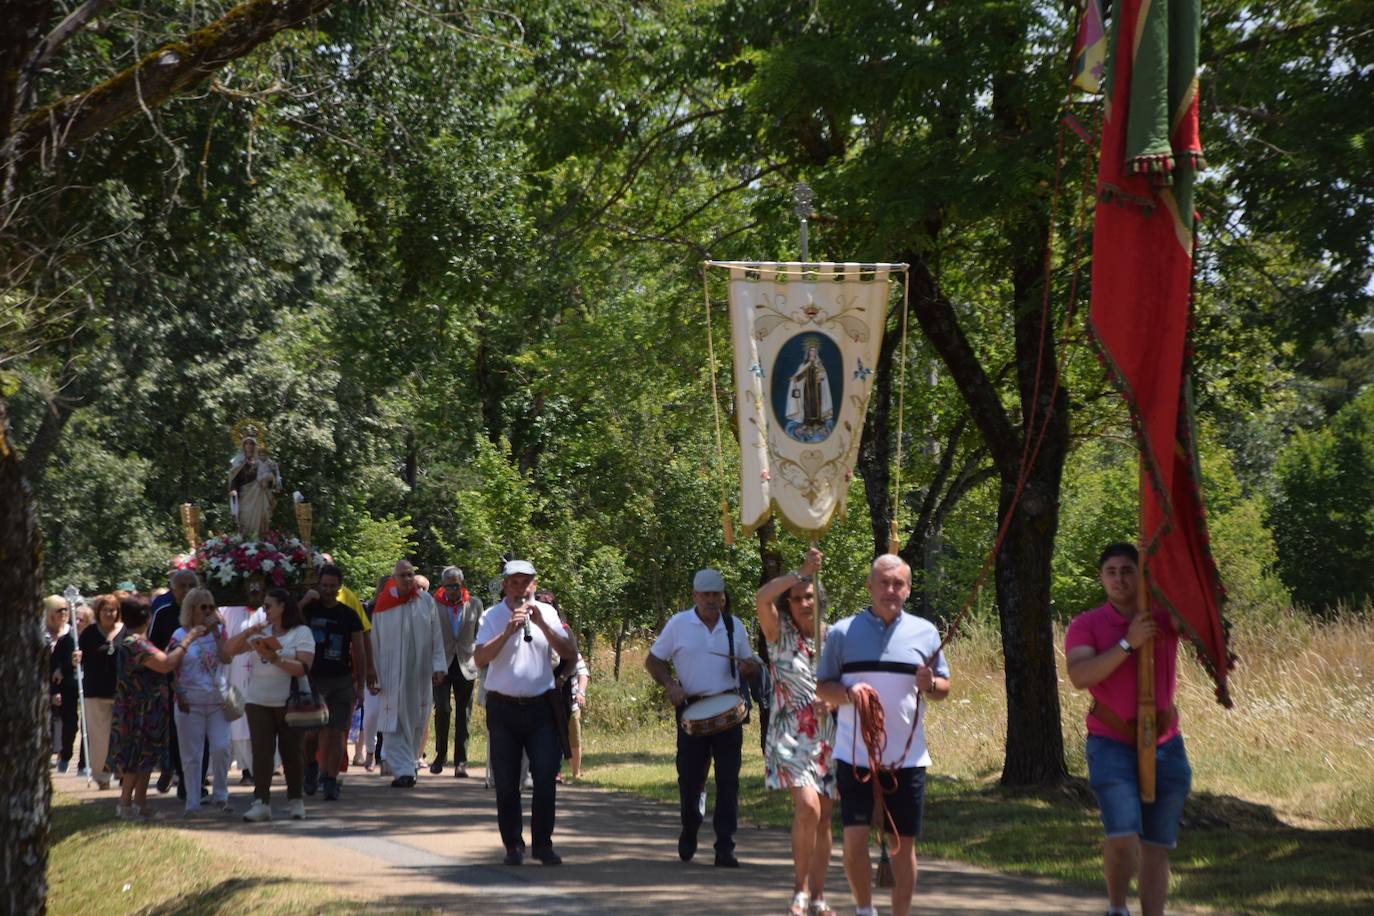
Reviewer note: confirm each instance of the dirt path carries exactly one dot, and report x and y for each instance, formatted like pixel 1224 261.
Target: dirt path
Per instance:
pixel 435 847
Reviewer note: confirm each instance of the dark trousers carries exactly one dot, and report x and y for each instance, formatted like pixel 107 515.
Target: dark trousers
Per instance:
pixel 268 733
pixel 64 725
pixel 461 690
pixel 694 758
pixel 528 728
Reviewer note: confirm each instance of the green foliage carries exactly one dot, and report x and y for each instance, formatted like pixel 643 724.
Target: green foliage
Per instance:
pixel 367 548
pixel 1100 506
pixel 452 258
pixel 101 528
pixel 1321 515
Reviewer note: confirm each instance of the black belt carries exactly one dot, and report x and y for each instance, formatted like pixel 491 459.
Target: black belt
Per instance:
pixel 518 701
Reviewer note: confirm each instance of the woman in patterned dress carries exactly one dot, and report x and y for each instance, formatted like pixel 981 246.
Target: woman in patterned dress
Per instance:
pixel 139 726
pixel 801 729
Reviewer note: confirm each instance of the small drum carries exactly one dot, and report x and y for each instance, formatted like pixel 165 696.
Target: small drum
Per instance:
pixel 713 715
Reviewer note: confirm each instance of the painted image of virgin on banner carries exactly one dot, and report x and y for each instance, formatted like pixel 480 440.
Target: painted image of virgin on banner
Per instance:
pixel 808 383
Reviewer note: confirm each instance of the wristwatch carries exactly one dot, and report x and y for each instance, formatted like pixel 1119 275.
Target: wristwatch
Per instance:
pixel 1125 646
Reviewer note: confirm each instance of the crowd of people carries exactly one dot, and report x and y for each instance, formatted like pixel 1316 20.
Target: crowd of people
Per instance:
pixel 163 681
pixel 161 684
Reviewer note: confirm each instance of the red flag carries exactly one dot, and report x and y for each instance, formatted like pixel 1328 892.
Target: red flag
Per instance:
pixel 1141 302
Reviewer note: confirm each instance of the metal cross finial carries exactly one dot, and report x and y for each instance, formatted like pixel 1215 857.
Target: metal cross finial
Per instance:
pixel 801 206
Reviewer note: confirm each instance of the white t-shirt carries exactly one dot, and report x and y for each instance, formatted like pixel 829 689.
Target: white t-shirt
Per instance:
pixel 520 669
pixel 687 643
pixel 200 676
pixel 268 685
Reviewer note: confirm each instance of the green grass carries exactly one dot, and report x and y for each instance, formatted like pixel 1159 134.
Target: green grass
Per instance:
pixel 98 864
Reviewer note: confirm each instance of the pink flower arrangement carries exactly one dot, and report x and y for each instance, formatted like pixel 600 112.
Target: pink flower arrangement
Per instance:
pixel 229 560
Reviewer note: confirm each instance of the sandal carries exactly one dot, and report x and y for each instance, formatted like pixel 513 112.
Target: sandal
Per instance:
pixel 820 908
pixel 799 902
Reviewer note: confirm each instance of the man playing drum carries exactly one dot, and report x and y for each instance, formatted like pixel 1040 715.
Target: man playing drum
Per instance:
pixel 710 653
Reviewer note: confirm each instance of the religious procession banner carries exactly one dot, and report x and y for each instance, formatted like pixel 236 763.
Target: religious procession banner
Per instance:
pixel 806 339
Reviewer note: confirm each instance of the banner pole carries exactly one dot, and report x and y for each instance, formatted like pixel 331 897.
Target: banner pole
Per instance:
pixel 1145 683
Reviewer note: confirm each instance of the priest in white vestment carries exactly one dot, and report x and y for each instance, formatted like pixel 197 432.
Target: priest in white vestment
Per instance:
pixel 410 659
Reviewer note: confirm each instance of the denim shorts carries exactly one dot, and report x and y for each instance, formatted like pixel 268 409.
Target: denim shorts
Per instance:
pixel 1113 776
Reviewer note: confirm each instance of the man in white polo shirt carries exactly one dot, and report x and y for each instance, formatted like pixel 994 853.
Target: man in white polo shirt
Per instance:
pixel 513 642
pixel 896 654
pixel 710 653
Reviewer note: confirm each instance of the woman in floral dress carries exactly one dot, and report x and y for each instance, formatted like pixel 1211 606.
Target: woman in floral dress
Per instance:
pixel 801 729
pixel 139 727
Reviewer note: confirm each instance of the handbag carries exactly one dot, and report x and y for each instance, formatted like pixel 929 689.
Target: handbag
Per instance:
pixel 304 709
pixel 232 703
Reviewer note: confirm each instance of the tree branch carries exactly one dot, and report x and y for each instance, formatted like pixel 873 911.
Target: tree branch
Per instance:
pixel 75 22
pixel 166 72
pixel 938 320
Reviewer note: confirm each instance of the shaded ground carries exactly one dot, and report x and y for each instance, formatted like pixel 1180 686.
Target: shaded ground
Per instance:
pixel 435 847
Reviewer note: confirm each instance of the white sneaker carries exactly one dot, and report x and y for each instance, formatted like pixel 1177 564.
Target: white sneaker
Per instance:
pixel 296 809
pixel 259 811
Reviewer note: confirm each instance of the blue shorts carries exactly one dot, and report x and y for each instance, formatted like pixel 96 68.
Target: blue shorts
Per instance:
pixel 905 801
pixel 1114 779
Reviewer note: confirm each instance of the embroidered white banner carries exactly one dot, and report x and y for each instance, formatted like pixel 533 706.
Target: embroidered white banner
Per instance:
pixel 806 339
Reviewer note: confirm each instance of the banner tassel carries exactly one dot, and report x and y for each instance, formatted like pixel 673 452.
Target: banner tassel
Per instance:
pixel 726 523
pixel 892 544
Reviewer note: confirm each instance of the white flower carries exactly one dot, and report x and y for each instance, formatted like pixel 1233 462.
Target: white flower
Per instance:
pixel 266 565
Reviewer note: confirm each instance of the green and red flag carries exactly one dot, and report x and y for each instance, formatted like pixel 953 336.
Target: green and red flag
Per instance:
pixel 1090 48
pixel 1141 299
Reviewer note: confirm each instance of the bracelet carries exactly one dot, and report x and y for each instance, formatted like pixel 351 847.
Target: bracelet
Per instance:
pixel 802 580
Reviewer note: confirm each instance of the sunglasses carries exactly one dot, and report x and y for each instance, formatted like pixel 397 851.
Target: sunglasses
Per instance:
pixel 205 607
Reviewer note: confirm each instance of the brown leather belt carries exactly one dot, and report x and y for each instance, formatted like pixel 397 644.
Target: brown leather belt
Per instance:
pixel 1165 719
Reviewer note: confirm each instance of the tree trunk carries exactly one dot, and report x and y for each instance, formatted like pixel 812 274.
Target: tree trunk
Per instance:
pixel 620 642
pixel 772 562
pixel 1035 742
pixel 24 781
pixel 1034 751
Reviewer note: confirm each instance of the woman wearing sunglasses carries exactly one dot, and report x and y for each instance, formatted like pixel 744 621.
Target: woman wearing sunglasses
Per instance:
pixel 199 691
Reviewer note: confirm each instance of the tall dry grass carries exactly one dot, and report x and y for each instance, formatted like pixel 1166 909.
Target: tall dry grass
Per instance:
pixel 1300 737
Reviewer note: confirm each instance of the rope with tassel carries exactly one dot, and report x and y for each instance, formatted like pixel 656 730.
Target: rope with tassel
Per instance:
pixel 715 410
pixel 871 723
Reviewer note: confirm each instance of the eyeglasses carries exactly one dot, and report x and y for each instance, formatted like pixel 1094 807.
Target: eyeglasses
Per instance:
pixel 206 607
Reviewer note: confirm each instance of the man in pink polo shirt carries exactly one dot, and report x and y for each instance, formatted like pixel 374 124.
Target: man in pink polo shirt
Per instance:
pixel 1100 648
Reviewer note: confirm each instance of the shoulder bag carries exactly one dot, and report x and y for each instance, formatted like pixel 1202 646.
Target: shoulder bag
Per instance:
pixel 304 708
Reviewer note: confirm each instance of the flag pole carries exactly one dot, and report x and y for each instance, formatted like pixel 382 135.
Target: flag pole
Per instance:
pixel 801 206
pixel 1144 681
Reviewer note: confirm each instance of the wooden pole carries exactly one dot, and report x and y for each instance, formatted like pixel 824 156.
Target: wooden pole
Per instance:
pixel 817 618
pixel 1145 699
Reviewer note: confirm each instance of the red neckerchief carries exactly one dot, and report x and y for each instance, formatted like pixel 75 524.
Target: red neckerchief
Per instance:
pixel 387 597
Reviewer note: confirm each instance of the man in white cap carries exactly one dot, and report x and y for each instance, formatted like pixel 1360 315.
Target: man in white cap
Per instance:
pixel 409 648
pixel 709 650
pixel 513 643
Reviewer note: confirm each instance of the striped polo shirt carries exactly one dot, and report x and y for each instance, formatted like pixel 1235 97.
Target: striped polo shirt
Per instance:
pixel 885 656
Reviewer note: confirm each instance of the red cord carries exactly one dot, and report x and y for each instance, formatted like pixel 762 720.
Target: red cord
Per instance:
pixel 871 723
